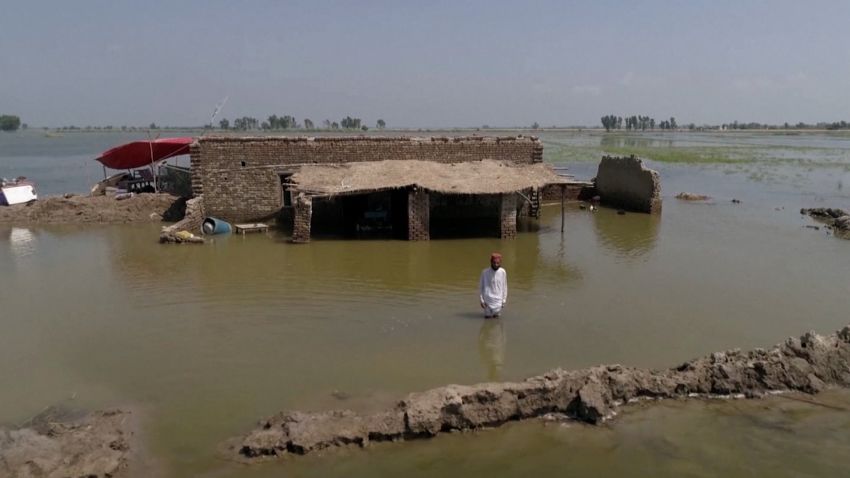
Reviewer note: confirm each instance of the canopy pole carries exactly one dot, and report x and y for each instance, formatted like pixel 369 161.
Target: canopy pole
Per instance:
pixel 153 172
pixel 563 191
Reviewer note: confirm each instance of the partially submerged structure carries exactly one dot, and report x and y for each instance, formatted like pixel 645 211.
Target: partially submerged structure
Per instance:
pixel 405 187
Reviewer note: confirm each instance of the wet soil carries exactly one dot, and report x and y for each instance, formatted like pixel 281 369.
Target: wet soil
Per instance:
pixel 145 207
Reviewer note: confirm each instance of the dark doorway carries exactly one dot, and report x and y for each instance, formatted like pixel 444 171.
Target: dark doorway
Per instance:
pixel 465 215
pixel 378 215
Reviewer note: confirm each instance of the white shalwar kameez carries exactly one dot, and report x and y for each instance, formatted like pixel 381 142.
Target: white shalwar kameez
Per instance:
pixel 493 290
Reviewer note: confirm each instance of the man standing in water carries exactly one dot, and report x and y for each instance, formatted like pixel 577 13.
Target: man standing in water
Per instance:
pixel 493 287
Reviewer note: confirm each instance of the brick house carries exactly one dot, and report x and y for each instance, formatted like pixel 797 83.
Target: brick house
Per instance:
pixel 405 187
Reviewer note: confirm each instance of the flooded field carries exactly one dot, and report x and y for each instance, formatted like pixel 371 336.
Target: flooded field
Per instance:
pixel 203 341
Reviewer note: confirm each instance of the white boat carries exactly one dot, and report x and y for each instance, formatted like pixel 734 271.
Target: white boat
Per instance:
pixel 16 191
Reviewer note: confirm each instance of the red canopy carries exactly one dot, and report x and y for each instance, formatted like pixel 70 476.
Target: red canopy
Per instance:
pixel 142 153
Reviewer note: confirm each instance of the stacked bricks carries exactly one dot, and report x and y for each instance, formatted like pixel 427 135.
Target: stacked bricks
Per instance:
pixel 240 176
pixel 507 218
pixel 302 216
pixel 537 153
pixel 196 165
pixel 418 215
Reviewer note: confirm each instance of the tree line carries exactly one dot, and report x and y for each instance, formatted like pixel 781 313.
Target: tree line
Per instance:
pixel 10 123
pixel 286 122
pixel 636 122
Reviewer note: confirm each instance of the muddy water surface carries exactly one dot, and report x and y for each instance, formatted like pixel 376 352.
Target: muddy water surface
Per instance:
pixel 205 340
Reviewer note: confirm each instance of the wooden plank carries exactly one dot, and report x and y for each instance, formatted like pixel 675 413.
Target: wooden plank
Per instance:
pixel 253 227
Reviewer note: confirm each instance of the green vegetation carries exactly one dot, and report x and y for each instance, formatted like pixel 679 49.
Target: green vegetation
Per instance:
pixel 678 155
pixel 288 122
pixel 9 123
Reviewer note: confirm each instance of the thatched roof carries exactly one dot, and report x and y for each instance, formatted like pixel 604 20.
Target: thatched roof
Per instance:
pixel 478 177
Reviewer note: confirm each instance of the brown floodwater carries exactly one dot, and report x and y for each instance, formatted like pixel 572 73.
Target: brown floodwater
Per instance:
pixel 205 340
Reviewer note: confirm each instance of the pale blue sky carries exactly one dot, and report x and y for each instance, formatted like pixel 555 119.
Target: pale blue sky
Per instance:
pixel 424 64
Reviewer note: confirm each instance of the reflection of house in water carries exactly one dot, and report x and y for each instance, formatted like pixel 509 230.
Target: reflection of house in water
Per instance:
pixel 403 187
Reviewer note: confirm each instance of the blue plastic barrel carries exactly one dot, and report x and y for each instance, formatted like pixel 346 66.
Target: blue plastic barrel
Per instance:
pixel 214 225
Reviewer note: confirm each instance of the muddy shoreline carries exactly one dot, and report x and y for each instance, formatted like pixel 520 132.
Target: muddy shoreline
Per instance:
pixel 59 442
pixel 807 364
pixel 62 442
pixel 74 209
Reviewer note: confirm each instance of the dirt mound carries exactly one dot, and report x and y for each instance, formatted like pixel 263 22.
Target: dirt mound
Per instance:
pixel 59 443
pixel 93 210
pixel 836 219
pixel 806 364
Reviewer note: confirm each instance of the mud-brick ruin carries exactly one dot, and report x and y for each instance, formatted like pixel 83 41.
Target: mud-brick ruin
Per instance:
pixel 407 187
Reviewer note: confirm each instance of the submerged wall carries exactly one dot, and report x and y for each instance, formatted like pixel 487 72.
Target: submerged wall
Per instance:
pixel 239 177
pixel 623 182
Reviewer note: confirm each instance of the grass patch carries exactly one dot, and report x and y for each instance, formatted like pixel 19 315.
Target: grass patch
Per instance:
pixel 679 155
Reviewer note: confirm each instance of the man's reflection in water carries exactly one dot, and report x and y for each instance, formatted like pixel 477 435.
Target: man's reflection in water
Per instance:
pixel 491 347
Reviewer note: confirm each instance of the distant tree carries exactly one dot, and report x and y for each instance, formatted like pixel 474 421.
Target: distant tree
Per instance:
pixel 672 123
pixel 224 124
pixel 381 124
pixel 651 123
pixel 535 125
pixel 151 126
pixel 24 126
pixel 327 124
pixel 334 125
pixel 9 122
pixel 265 125
pixel 308 123
pixel 350 123
pixel 609 122
pixel 364 128
pixel 486 126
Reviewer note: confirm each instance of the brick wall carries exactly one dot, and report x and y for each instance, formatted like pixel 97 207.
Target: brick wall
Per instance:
pixel 507 221
pixel 239 177
pixel 302 217
pixel 418 215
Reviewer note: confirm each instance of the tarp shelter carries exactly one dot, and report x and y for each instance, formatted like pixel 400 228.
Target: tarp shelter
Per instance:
pixel 144 153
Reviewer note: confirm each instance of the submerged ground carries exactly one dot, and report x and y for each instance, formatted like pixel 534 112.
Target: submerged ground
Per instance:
pixel 203 341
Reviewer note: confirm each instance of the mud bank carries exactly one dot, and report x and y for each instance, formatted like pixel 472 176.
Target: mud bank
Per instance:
pixel 806 364
pixel 62 443
pixel 836 219
pixel 95 210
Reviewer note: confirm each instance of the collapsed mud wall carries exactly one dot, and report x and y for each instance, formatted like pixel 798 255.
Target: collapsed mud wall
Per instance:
pixel 624 182
pixel 192 220
pixel 806 364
